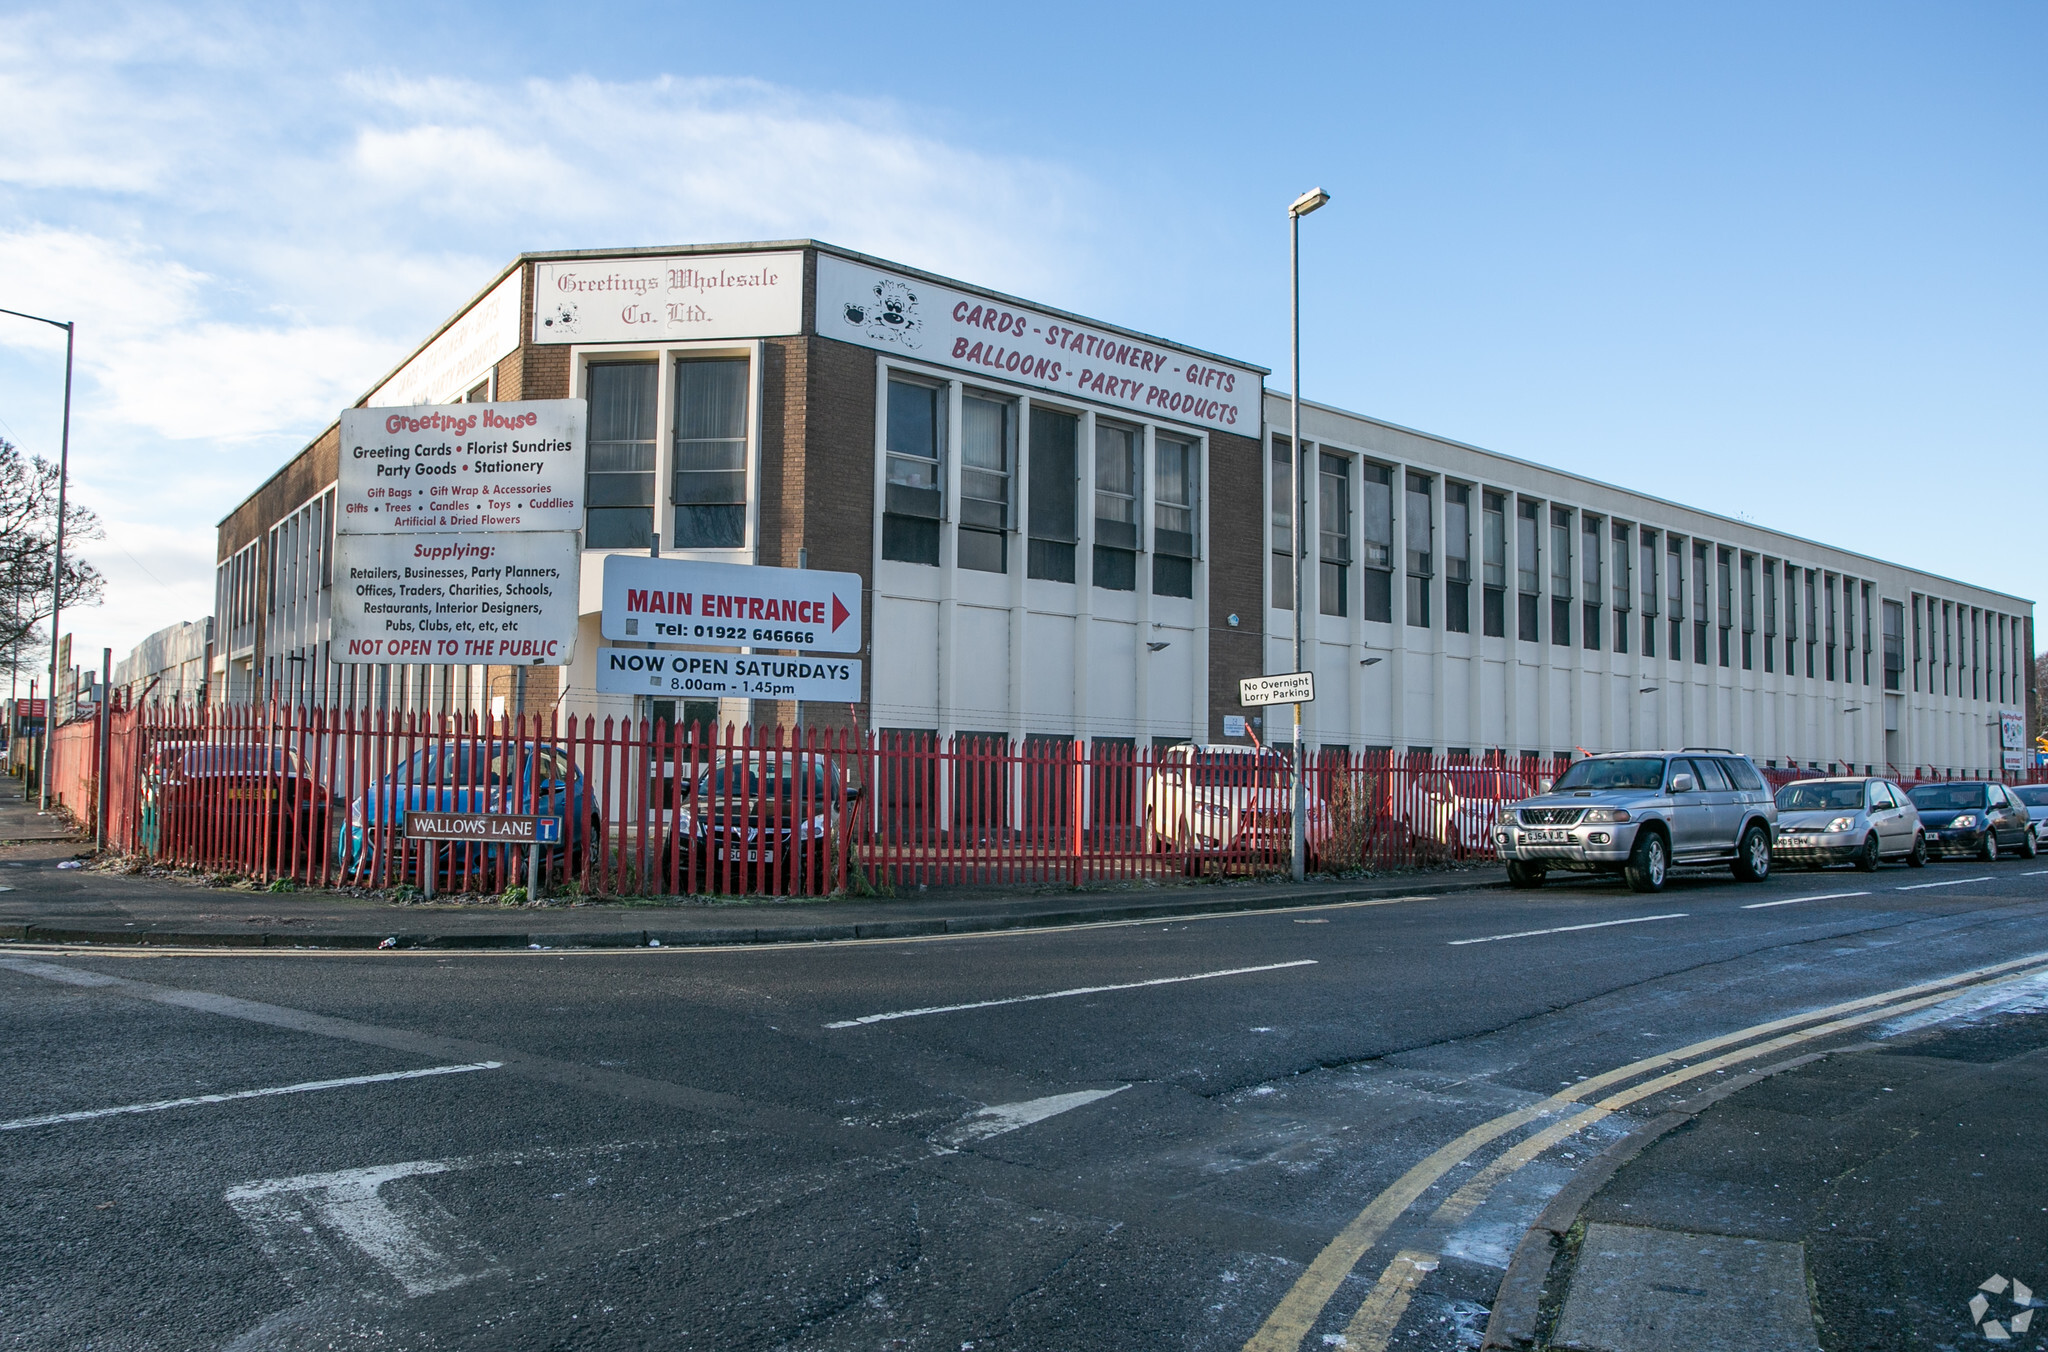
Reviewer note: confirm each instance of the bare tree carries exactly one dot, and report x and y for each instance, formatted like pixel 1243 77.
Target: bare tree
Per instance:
pixel 28 543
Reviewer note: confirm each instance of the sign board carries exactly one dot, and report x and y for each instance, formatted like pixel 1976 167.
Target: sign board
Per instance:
pixel 1233 725
pixel 489 827
pixel 650 671
pixel 1294 687
pixel 2015 761
pixel 463 354
pixel 680 601
pixel 630 300
pixel 2012 730
pixel 485 597
pixel 933 323
pixel 491 467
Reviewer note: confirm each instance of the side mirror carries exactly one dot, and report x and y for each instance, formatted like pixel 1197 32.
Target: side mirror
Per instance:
pixel 1545 785
pixel 853 795
pixel 1682 783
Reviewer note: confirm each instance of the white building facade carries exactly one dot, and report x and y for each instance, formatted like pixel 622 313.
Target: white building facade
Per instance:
pixel 1462 602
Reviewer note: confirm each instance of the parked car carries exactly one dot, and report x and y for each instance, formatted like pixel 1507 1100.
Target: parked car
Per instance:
pixel 495 776
pixel 1974 819
pixel 1639 814
pixel 1226 800
pixel 1848 820
pixel 2034 797
pixel 761 818
pixel 1458 806
pixel 259 802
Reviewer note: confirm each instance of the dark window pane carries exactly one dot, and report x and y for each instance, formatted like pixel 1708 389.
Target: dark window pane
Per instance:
pixel 619 528
pixel 1054 436
pixel 1376 598
pixel 1116 569
pixel 1172 576
pixel 1495 605
pixel 909 539
pixel 714 527
pixel 982 550
pixel 1458 607
pixel 1051 561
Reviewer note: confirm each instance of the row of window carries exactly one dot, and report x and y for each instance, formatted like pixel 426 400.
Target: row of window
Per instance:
pixel 1049 456
pixel 1612 582
pixel 708 478
pixel 1982 653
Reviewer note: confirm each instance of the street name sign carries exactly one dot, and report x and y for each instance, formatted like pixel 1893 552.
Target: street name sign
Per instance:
pixel 441 467
pixel 1294 687
pixel 686 602
pixel 492 828
pixel 651 671
pixel 501 598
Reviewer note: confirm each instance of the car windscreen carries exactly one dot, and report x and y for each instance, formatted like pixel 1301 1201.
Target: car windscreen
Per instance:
pixel 1223 770
pixel 784 783
pixel 2033 795
pixel 1820 798
pixel 1620 772
pixel 239 760
pixel 1947 797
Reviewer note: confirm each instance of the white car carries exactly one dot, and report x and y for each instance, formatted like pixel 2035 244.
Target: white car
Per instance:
pixel 1221 798
pixel 2034 797
pixel 1457 806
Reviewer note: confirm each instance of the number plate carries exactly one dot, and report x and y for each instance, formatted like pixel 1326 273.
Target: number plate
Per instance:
pixel 251 795
pixel 1547 837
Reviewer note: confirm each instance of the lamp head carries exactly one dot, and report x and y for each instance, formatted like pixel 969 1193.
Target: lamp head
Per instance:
pixel 1307 202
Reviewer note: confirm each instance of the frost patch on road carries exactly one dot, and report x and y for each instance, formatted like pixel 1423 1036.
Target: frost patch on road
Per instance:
pixel 2029 995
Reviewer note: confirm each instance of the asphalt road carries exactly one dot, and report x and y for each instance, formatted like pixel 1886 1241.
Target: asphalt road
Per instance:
pixel 1165 1135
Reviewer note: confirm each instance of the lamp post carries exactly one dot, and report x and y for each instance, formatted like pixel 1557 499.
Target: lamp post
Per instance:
pixel 56 568
pixel 1300 207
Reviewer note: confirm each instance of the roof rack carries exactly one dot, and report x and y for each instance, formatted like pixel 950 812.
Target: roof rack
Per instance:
pixel 1722 750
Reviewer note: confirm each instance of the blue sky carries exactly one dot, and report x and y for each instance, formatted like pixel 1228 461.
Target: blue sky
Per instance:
pixel 1782 262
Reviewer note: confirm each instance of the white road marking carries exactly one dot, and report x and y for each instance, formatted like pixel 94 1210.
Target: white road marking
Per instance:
pixel 1952 882
pixel 1567 929
pixel 1000 1118
pixel 1061 995
pixel 2037 873
pixel 307 1087
pixel 1794 901
pixel 394 1237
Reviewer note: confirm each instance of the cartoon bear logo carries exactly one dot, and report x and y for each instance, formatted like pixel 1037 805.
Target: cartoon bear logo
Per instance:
pixel 892 317
pixel 562 317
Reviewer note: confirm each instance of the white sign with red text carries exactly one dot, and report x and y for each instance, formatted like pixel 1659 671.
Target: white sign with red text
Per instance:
pixel 496 598
pixel 722 604
pixel 627 300
pixel 468 467
pixel 932 323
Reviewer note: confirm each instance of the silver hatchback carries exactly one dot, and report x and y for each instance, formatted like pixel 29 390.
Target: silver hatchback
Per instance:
pixel 1639 814
pixel 1848 820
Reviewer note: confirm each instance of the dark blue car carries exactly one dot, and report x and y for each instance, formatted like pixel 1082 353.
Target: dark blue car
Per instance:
pixel 499 777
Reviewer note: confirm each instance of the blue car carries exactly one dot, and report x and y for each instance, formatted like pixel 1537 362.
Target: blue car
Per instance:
pixel 498 777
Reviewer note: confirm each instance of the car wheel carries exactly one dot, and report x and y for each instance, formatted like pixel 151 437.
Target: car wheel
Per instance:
pixel 1918 858
pixel 1867 857
pixel 1753 855
pixel 2028 849
pixel 1989 854
pixel 1521 873
pixel 1648 863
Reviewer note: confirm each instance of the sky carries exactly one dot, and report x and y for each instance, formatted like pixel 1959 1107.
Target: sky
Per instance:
pixel 1782 262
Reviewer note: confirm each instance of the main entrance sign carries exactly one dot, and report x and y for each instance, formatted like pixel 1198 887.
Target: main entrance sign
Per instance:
pixel 728 604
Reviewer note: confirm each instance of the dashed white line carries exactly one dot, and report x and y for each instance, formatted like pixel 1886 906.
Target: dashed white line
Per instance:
pixel 2037 873
pixel 1794 901
pixel 308 1087
pixel 1952 882
pixel 1061 995
pixel 1567 929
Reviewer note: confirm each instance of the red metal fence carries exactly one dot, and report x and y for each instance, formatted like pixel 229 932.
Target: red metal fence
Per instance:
pixel 321 797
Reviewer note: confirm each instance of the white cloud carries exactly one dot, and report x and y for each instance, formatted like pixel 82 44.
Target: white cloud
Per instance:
pixel 250 234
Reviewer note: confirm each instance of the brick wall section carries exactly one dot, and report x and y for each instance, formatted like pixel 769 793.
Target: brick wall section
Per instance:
pixel 1236 551
pixel 838 479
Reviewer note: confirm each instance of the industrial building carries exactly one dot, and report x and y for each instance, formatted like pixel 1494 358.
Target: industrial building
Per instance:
pixel 1067 529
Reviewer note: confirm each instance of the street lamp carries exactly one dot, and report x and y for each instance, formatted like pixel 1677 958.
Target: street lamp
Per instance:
pixel 1300 207
pixel 56 568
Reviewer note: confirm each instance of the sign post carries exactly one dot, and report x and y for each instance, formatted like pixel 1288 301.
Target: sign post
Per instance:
pixel 1296 688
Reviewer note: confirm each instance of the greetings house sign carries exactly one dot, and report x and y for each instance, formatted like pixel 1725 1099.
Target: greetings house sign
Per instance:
pixel 946 327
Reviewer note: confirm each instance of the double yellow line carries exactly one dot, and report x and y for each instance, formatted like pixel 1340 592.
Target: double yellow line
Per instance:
pixel 1568 1112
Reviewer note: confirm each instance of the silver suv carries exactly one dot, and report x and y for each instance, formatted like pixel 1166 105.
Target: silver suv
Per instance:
pixel 1639 813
